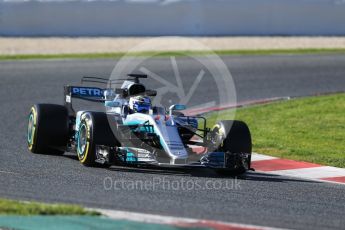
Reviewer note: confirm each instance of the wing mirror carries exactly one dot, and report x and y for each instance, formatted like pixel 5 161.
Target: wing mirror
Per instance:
pixel 176 107
pixel 112 104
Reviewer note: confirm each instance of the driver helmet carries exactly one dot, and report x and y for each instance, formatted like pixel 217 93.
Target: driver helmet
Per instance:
pixel 140 104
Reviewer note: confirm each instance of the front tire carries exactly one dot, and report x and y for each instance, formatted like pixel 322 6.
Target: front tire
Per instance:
pixel 48 129
pixel 234 137
pixel 94 129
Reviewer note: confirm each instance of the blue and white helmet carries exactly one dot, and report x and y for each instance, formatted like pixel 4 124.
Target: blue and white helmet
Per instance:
pixel 140 104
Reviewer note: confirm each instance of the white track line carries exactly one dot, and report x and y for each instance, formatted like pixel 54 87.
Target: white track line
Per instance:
pixel 261 157
pixel 170 220
pixel 313 173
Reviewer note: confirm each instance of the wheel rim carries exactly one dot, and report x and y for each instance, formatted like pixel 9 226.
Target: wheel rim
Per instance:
pixel 82 140
pixel 31 129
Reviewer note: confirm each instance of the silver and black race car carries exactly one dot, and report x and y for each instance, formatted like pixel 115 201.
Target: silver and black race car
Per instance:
pixel 132 132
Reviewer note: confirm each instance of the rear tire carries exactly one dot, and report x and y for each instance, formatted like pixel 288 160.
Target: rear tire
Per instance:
pixel 233 136
pixel 48 129
pixel 94 129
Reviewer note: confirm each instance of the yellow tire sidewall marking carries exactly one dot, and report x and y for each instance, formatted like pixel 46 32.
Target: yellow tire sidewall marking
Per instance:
pixel 33 136
pixel 221 132
pixel 87 145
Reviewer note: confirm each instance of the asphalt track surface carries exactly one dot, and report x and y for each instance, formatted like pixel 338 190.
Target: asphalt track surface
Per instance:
pixel 255 198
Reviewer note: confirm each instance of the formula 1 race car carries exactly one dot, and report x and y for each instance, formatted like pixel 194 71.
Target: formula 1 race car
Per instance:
pixel 132 132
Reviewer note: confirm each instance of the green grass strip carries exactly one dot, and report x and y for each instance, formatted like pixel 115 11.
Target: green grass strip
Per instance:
pixel 309 129
pixel 11 207
pixel 170 53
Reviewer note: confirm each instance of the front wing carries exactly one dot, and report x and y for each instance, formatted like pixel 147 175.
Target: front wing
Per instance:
pixel 130 156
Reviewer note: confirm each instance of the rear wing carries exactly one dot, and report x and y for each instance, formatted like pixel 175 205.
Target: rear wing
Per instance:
pixel 86 93
pixel 96 94
pixel 93 94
